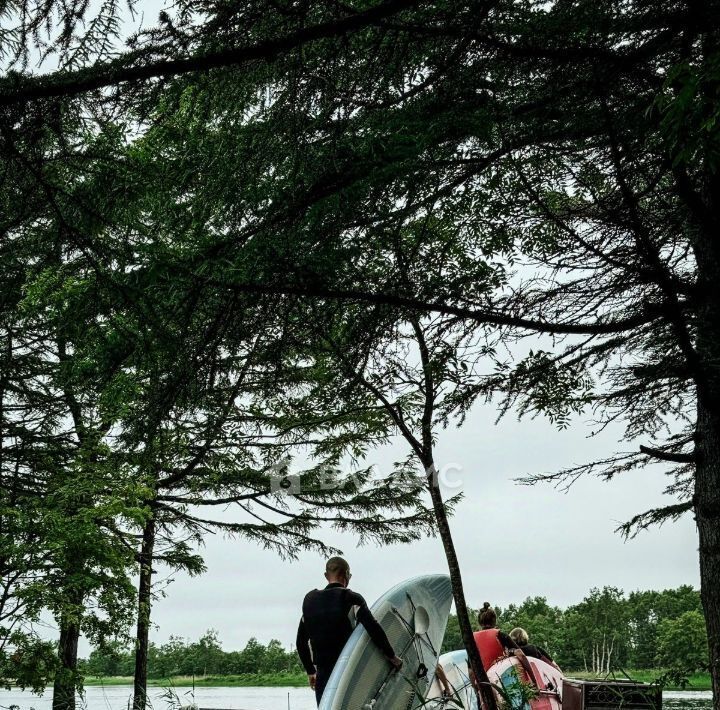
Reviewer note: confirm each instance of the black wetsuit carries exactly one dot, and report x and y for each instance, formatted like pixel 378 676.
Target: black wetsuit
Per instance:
pixel 536 652
pixel 326 625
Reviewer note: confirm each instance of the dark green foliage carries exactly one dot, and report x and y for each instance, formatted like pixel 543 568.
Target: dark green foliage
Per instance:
pixel 682 643
pixel 544 623
pixel 27 661
pixel 647 610
pixel 453 638
pixel 130 392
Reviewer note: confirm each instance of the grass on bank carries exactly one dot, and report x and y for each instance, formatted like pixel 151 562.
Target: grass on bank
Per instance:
pixel 698 681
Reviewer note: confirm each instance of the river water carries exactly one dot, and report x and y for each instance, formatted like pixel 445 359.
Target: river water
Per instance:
pixel 116 698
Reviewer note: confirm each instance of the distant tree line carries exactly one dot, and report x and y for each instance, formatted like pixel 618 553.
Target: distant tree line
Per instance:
pixel 181 657
pixel 609 631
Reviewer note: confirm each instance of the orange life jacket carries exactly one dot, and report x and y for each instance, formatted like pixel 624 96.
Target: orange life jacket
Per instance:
pixel 488 646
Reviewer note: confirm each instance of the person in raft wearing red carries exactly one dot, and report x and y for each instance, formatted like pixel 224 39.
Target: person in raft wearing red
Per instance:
pixel 492 643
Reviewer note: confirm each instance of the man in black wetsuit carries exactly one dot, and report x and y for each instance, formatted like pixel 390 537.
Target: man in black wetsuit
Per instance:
pixel 326 625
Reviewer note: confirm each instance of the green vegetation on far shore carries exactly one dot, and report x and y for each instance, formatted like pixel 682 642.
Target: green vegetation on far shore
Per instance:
pixel 244 680
pixel 697 681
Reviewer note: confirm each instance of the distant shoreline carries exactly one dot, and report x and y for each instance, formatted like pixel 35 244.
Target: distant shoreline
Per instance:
pixel 698 681
pixel 250 680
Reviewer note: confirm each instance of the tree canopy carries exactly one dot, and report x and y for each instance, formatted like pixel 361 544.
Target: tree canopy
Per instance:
pixel 546 173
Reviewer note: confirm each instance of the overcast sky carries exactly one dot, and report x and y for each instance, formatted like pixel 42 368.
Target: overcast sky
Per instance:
pixel 513 541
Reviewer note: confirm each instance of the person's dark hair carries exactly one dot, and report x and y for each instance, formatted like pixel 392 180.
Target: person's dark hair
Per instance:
pixel 487 615
pixel 336 566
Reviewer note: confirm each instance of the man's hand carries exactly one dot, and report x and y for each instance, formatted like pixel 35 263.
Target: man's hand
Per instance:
pixel 311 679
pixel 396 662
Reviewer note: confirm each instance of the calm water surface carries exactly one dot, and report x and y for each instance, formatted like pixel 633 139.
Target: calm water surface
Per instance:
pixel 116 698
pixel 687 700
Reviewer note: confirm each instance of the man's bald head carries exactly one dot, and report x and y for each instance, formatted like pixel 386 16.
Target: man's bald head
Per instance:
pixel 337 570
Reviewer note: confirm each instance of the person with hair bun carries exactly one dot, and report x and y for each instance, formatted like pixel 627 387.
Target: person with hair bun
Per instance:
pixel 492 644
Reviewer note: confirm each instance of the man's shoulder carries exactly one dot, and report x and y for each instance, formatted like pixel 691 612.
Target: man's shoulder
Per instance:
pixel 310 594
pixel 355 598
pixel 320 593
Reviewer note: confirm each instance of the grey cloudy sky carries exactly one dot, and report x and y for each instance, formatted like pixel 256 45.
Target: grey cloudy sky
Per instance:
pixel 512 541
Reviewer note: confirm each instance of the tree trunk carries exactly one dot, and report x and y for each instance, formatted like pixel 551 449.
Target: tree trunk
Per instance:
pixel 66 675
pixel 593 662
pixel 706 498
pixel 474 661
pixel 424 451
pixel 143 621
pixel 707 516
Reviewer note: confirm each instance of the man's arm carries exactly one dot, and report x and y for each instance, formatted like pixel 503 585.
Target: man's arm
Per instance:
pixel 443 680
pixel 302 643
pixel 376 632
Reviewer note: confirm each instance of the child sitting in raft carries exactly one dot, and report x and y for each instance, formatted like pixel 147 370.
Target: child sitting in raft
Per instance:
pixel 521 638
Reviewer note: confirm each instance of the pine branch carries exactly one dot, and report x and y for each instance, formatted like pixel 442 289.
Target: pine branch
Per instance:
pixel 664 455
pixel 19 89
pixel 655 516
